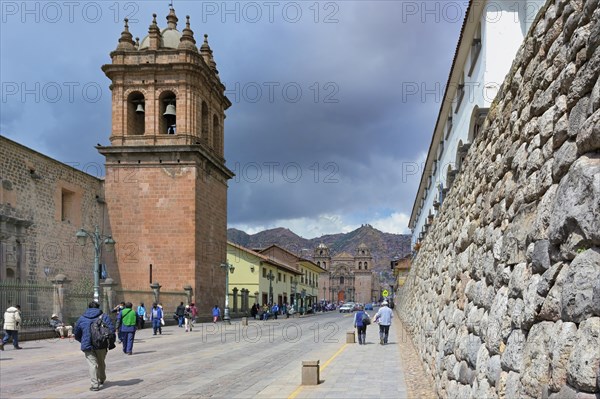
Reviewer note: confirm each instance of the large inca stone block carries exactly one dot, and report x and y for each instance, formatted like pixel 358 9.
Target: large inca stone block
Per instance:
pixel 580 295
pixel 518 280
pixel 494 369
pixel 548 279
pixel 588 137
pixel 499 325
pixel 561 351
pixel 582 369
pixel 532 302
pixel 540 258
pixel 513 354
pixel 575 211
pixel 564 157
pixel 536 358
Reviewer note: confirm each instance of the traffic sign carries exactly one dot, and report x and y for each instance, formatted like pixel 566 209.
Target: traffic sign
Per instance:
pixel 385 293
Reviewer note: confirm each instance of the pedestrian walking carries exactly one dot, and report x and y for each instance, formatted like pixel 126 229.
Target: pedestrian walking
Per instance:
pixel 384 317
pixel 117 310
pixel 188 318
pixel 60 327
pixel 180 312
pixel 141 311
pixel 12 325
pixel 254 311
pixel 361 321
pixel 275 310
pixel 162 319
pixel 156 315
pixel 216 313
pixel 194 311
pixel 127 320
pixel 285 310
pixel 96 358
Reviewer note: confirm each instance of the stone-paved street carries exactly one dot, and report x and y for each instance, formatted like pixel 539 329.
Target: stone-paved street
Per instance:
pixel 260 360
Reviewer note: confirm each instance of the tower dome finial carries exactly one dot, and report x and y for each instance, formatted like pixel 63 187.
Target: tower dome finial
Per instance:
pixel 187 40
pixel 172 18
pixel 126 40
pixel 207 54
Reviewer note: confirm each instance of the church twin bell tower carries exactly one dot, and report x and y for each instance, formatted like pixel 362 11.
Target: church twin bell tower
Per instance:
pixel 166 179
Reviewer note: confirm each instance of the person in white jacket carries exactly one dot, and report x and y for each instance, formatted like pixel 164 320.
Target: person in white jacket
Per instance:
pixel 384 318
pixel 12 324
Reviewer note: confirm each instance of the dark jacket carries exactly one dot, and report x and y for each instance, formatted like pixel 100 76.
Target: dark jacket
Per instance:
pixel 180 311
pixel 82 327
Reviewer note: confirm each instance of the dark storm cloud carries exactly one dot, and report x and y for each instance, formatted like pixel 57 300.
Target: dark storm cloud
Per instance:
pixel 321 123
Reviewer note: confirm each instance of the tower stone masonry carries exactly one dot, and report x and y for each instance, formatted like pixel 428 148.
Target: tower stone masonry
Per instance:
pixel 166 179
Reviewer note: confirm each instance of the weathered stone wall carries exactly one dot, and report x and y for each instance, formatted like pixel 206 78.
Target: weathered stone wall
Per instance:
pixel 43 203
pixel 503 299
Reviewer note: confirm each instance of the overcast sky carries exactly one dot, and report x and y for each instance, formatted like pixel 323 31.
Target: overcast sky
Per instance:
pixel 334 103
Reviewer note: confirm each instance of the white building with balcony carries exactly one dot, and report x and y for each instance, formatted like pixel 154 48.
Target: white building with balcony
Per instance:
pixel 491 34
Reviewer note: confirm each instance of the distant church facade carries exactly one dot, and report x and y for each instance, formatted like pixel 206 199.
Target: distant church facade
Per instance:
pixel 347 277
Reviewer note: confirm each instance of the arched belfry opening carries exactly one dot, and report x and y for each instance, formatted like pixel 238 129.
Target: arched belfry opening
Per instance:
pixel 217 137
pixel 136 114
pixel 204 121
pixel 167 112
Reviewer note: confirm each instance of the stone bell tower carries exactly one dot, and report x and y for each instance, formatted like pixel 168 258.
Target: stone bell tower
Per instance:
pixel 166 179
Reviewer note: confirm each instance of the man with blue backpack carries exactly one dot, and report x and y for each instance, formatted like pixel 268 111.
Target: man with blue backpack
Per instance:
pixel 95 351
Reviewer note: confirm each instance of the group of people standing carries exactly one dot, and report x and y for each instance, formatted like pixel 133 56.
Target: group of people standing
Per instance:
pixel 383 317
pixel 266 311
pixel 127 322
pixel 186 316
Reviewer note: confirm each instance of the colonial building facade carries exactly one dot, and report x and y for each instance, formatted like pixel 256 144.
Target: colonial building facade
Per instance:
pixel 347 277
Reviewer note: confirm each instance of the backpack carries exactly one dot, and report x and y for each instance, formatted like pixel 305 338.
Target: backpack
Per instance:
pixel 365 319
pixel 101 335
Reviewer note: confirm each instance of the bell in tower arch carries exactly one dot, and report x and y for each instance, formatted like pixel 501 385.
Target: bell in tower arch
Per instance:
pixel 170 111
pixel 170 117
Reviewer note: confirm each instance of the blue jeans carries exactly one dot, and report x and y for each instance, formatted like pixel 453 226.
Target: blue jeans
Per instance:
pixel 11 333
pixel 127 338
pixel 156 326
pixel 180 320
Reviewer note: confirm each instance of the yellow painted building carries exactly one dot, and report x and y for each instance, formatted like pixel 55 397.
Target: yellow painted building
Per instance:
pixel 258 279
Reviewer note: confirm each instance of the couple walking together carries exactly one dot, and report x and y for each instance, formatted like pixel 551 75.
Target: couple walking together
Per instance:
pixel 383 317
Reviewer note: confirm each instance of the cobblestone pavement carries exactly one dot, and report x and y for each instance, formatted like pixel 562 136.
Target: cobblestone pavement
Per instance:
pixel 260 360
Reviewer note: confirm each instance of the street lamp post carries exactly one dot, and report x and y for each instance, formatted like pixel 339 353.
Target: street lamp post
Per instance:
pixel 98 239
pixel 294 289
pixel 271 277
pixel 229 268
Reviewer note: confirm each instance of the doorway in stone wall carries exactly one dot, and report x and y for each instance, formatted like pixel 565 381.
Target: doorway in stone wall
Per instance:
pixel 341 296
